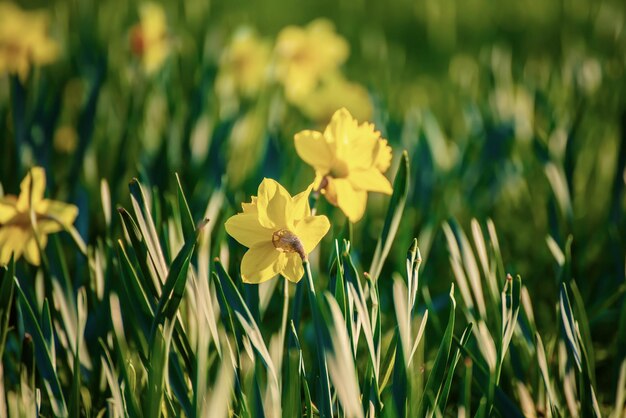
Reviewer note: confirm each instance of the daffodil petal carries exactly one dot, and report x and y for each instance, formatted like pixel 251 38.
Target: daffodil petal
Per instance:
pixel 261 263
pixel 246 229
pixel 12 241
pixel 63 213
pixel 356 146
pixel 273 204
pixel 31 249
pixel 338 130
pixel 352 202
pixel 311 230
pixel 7 209
pixel 293 269
pixel 249 207
pixel 370 180
pixel 48 226
pixel 6 245
pixel 32 189
pixel 312 147
pixel 383 156
pixel 300 204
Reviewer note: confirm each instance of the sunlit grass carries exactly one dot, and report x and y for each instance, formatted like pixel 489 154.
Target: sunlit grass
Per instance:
pixel 489 283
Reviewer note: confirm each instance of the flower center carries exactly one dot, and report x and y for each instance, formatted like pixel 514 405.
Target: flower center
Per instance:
pixel 22 220
pixel 339 169
pixel 286 241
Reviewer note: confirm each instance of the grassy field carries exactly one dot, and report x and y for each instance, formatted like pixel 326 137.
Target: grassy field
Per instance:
pixel 351 209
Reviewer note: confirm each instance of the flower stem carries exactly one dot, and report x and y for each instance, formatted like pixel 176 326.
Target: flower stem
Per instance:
pixel 325 407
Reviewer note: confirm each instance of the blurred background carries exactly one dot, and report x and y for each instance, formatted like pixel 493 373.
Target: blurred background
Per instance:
pixel 511 111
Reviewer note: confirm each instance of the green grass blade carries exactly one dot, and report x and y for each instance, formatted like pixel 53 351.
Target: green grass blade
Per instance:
pixel 186 219
pixel 323 343
pixel 292 384
pixel 7 290
pixel 436 380
pixel 442 399
pixel 142 255
pixel 147 228
pixel 341 365
pixel 393 217
pixel 46 367
pixel 174 285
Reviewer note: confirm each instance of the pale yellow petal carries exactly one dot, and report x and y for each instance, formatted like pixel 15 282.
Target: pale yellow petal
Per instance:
pixel 32 189
pixel 312 147
pixel 337 133
pixel 293 269
pixel 48 226
pixel 300 204
pixel 273 205
pixel 383 156
pixel 351 202
pixel 63 213
pixel 249 207
pixel 261 263
pixel 353 144
pixel 311 230
pixel 7 245
pixel 12 241
pixel 370 180
pixel 7 209
pixel 246 229
pixel 31 249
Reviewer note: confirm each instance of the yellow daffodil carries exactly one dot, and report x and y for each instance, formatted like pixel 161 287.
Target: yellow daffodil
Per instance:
pixel 349 160
pixel 149 39
pixel 335 92
pixel 243 65
pixel 279 231
pixel 65 139
pixel 27 219
pixel 24 40
pixel 303 55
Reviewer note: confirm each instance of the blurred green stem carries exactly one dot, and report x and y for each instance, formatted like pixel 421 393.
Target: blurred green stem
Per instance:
pixel 325 408
pixel 18 96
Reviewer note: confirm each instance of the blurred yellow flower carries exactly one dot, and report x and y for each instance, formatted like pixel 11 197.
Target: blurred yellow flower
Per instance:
pixel 24 40
pixel 303 55
pixel 349 160
pixel 245 145
pixel 148 38
pixel 279 231
pixel 27 219
pixel 335 92
pixel 65 139
pixel 243 65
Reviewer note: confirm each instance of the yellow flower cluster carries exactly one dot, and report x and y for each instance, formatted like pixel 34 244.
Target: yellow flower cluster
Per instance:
pixel 305 61
pixel 243 65
pixel 305 55
pixel 24 41
pixel 349 160
pixel 27 220
pixel 149 39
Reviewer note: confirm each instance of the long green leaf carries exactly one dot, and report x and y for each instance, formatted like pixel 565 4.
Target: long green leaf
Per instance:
pixel 393 217
pixel 7 289
pixel 46 368
pixel 435 381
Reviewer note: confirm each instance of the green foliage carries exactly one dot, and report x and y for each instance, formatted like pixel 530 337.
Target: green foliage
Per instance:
pixel 509 154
